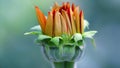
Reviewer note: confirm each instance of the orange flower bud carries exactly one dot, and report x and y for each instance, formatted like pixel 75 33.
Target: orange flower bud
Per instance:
pixel 63 19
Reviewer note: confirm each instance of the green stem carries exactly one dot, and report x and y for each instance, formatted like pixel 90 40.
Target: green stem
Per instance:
pixel 63 64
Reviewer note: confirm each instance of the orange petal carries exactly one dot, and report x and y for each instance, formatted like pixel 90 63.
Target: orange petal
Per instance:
pixel 57 24
pixel 68 11
pixel 66 17
pixel 49 25
pixel 81 21
pixel 63 25
pixel 76 13
pixel 72 22
pixel 41 18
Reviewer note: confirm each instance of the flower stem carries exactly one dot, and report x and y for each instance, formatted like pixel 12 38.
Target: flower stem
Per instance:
pixel 63 64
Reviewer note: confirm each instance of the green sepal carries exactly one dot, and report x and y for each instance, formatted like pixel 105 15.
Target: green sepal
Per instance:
pixel 44 37
pixel 86 24
pixel 36 30
pixel 62 53
pixel 80 43
pixel 68 44
pixel 77 37
pixel 89 34
pixel 68 52
pixel 37 27
pixel 56 40
pixel 33 33
pixel 65 37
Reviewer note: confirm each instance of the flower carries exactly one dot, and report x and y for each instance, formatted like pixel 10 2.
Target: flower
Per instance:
pixel 65 19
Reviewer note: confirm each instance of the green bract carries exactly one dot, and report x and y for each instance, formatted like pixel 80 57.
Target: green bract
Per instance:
pixel 74 40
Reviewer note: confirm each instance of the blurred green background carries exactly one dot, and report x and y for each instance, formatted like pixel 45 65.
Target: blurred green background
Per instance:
pixel 19 51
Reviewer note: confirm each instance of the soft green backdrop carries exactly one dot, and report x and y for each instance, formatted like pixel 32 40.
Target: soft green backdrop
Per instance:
pixel 19 51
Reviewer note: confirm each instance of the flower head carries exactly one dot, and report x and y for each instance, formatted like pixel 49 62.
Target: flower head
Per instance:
pixel 65 19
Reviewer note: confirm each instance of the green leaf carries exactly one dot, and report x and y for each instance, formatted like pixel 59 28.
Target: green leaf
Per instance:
pixel 77 37
pixel 56 40
pixel 43 37
pixel 86 24
pixel 89 34
pixel 33 33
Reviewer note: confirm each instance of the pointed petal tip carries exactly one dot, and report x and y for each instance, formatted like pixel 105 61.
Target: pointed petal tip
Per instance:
pixel 55 3
pixel 36 7
pixel 73 6
pixel 81 13
pixel 82 21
